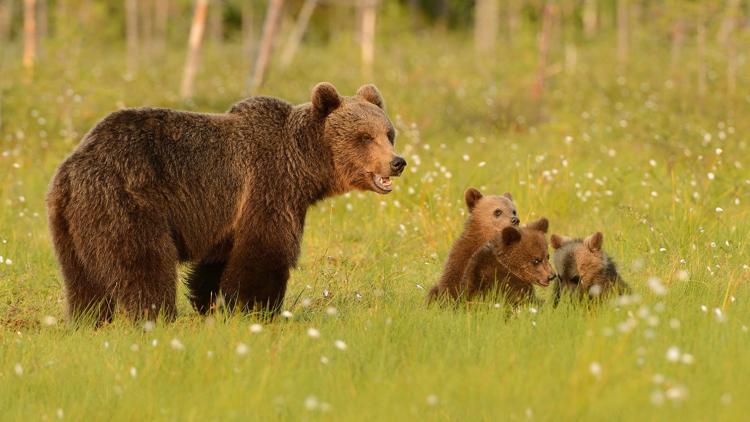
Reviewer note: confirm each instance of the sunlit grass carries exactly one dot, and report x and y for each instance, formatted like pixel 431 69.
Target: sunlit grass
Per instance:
pixel 635 154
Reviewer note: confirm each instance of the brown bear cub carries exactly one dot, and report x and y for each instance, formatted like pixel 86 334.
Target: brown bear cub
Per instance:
pixel 584 269
pixel 148 188
pixel 488 216
pixel 510 264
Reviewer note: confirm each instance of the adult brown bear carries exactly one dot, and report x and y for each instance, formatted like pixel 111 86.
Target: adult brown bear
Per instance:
pixel 148 188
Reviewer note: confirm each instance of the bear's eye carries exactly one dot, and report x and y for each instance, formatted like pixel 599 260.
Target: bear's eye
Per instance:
pixel 365 137
pixel 498 212
pixel 575 279
pixel 514 212
pixel 536 261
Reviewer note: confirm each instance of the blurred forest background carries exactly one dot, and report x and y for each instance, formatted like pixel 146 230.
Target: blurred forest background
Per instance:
pixel 272 32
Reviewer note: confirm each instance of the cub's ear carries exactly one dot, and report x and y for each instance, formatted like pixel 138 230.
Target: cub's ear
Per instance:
pixel 472 196
pixel 370 93
pixel 510 235
pixel 594 242
pixel 325 98
pixel 557 241
pixel 507 195
pixel 540 225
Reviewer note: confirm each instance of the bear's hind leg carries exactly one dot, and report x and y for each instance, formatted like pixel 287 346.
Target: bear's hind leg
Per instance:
pixel 86 296
pixel 203 285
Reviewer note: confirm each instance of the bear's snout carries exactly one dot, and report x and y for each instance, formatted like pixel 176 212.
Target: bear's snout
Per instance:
pixel 397 165
pixel 515 221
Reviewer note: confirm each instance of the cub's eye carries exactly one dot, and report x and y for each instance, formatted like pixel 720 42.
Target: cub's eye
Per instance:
pixel 365 137
pixel 575 279
pixel 536 261
pixel 514 212
pixel 498 212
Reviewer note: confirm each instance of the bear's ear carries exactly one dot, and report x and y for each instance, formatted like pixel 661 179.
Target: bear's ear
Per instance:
pixel 507 195
pixel 557 241
pixel 540 225
pixel 594 242
pixel 325 98
pixel 370 93
pixel 472 195
pixel 510 235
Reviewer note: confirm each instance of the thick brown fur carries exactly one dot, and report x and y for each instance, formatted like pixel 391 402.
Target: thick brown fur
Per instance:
pixel 148 188
pixel 488 216
pixel 584 269
pixel 509 265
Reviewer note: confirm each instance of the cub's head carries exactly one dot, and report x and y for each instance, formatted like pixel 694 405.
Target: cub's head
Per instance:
pixel 361 138
pixel 524 252
pixel 582 265
pixel 490 214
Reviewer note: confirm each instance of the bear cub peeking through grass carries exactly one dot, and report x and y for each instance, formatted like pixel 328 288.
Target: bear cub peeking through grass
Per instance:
pixel 510 264
pixel 492 253
pixel 584 269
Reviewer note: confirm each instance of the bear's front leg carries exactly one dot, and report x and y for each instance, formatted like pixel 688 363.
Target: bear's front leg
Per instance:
pixel 256 275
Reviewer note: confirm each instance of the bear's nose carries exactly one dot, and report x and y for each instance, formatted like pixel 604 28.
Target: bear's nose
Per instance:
pixel 515 221
pixel 397 165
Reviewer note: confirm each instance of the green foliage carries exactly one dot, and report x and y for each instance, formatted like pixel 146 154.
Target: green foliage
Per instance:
pixel 632 150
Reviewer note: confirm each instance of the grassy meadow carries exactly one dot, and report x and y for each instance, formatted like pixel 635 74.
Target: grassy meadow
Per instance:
pixel 634 150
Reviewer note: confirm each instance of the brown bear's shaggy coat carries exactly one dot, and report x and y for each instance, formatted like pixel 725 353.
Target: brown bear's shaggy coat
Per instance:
pixel 148 188
pixel 509 265
pixel 584 269
pixel 488 216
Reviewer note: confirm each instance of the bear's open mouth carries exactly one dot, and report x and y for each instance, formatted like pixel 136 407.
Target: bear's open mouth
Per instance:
pixel 543 283
pixel 383 184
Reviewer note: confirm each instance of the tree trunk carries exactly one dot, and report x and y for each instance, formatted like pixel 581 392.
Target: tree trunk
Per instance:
pixel 368 37
pixel 623 20
pixel 298 32
pixel 589 18
pixel 131 34
pixel 678 37
pixel 486 14
pixel 543 44
pixel 732 64
pixel 270 27
pixel 248 28
pixel 194 47
pixel 161 17
pixel 29 34
pixel 701 35
pixel 728 23
pixel 513 11
pixel 42 24
pixel 216 21
pixel 147 24
pixel 442 14
pixel 6 15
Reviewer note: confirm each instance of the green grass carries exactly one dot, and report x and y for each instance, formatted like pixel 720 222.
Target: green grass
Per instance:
pixel 627 151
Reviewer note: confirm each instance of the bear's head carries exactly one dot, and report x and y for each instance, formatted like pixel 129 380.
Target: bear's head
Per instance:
pixel 361 138
pixel 523 251
pixel 582 265
pixel 491 213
